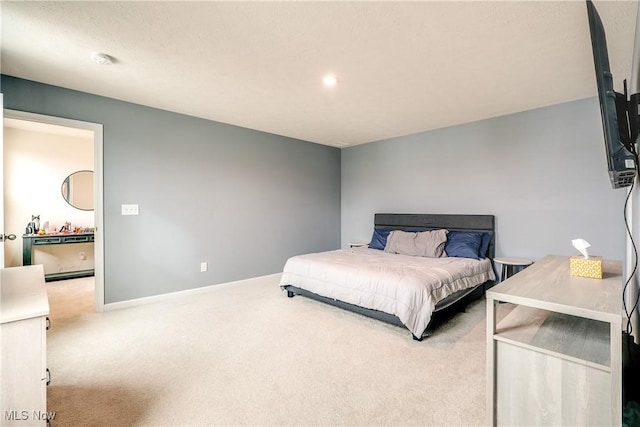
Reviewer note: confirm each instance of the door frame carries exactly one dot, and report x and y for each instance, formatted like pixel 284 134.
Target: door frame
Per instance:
pixel 98 197
pixel 2 239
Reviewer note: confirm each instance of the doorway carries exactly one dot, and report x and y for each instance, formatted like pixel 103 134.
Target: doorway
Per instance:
pixel 96 133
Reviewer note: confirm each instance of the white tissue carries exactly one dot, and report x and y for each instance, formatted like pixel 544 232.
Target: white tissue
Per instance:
pixel 581 245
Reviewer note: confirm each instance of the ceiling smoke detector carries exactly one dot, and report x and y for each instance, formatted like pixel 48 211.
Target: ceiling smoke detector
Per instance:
pixel 101 58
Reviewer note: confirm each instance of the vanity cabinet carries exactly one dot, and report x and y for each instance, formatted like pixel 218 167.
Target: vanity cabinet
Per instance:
pixel 32 241
pixel 23 337
pixel 556 358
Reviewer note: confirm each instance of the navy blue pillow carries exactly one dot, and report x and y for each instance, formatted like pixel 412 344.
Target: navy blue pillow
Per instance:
pixel 463 244
pixel 484 246
pixel 379 239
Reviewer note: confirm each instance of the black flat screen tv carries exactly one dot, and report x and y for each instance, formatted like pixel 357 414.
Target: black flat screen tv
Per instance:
pixel 614 107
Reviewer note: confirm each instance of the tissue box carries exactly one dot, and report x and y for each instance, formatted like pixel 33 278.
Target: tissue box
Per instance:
pixel 581 267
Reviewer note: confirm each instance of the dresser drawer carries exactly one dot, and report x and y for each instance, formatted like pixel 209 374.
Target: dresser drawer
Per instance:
pixel 47 240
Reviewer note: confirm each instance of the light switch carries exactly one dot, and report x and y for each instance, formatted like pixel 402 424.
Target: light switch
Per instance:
pixel 129 209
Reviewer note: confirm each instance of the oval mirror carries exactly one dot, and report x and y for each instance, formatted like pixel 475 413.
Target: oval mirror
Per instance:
pixel 77 190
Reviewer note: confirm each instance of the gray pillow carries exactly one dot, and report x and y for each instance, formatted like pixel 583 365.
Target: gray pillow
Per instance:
pixel 424 243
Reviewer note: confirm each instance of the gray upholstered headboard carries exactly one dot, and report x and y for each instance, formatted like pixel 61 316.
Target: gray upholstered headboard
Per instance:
pixel 417 222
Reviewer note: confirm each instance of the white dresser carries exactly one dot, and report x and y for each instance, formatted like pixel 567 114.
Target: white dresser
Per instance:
pixel 23 366
pixel 556 358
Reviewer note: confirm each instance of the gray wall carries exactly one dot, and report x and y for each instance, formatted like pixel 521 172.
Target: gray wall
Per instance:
pixel 242 200
pixel 543 173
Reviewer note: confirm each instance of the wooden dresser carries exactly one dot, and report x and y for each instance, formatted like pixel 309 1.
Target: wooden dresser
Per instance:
pixel 556 358
pixel 23 365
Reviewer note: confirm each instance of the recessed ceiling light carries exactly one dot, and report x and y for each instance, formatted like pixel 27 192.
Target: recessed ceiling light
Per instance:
pixel 101 58
pixel 330 80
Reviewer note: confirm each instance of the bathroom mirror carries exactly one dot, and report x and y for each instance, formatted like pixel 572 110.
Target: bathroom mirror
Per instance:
pixel 77 190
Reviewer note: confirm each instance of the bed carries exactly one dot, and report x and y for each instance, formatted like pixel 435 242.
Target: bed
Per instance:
pixel 384 281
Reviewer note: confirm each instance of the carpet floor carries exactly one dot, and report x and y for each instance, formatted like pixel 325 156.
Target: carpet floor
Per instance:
pixel 245 354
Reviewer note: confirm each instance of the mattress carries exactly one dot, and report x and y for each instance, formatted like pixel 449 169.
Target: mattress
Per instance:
pixel 408 287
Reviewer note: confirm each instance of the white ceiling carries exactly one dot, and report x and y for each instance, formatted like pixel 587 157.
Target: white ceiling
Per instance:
pixel 402 67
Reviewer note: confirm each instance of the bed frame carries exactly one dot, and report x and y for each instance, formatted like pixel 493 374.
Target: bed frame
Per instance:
pixel 421 222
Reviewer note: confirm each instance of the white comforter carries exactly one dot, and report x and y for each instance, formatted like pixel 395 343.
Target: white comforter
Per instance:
pixel 406 286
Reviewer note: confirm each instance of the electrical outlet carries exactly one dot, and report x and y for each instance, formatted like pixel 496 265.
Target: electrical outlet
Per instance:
pixel 129 209
pixel 82 255
pixel 203 267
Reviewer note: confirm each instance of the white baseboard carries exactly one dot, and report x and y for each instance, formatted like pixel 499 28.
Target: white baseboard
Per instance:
pixel 163 297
